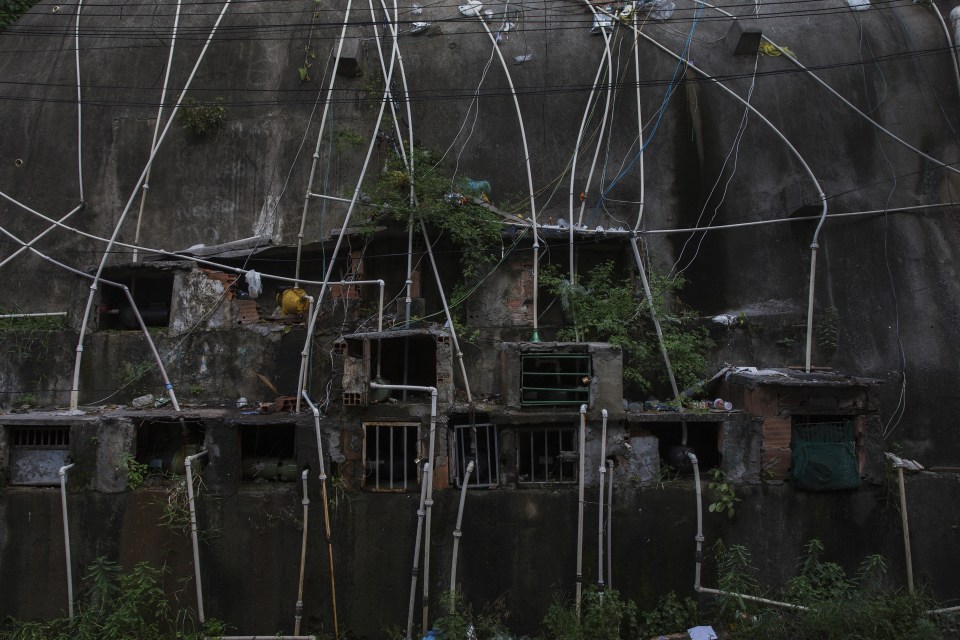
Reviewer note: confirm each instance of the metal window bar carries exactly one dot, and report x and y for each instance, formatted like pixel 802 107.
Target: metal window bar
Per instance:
pixel 388 471
pixel 487 464
pixel 555 378
pixel 41 437
pixel 546 455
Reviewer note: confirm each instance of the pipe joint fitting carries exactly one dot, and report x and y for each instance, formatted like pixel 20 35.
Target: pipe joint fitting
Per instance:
pixel 421 512
pixel 428 503
pixel 457 534
pixel 305 502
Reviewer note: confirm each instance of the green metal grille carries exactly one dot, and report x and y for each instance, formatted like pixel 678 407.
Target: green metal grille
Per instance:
pixel 555 379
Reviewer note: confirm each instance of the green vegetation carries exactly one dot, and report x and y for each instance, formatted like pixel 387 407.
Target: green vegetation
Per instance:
pixel 724 493
pixel 201 118
pixel 136 471
pixel 604 615
pixel 11 10
pixel 603 307
pixel 462 622
pixel 671 614
pixel 828 331
pixel 116 605
pixel 473 229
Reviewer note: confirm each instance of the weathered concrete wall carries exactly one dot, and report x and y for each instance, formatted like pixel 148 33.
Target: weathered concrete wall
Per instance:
pixel 518 544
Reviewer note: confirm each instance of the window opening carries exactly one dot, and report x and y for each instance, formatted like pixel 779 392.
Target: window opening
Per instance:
pixel 163 446
pixel 390 454
pixel 268 453
pixel 546 454
pixel 824 453
pixel 151 293
pixel 486 459
pixel 702 437
pixel 555 378
pixel 37 453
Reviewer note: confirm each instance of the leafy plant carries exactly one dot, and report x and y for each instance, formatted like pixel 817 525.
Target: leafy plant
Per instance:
pixel 604 307
pixel 604 615
pixel 200 118
pixel 462 623
pixel 118 605
pixel 671 614
pixel 11 10
pixel 474 230
pixel 828 331
pixel 724 493
pixel 137 472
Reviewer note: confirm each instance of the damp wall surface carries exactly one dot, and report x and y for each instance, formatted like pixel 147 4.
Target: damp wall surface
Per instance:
pixel 519 545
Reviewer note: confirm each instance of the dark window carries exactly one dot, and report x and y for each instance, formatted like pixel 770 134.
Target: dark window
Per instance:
pixel 546 454
pixel 163 445
pixel 478 443
pixel 151 293
pixel 268 452
pixel 390 454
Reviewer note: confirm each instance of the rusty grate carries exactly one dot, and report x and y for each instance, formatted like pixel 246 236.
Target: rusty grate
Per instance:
pixel 41 437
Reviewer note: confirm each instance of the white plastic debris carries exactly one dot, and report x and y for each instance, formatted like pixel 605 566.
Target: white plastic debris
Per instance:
pixel 241 402
pixel 601 21
pixel 254 284
pixel 507 26
pixel 419 27
pixel 527 57
pixel 662 10
pixel 416 9
pixel 725 320
pixel 859 5
pixel 471 9
pixel 702 633
pixel 562 223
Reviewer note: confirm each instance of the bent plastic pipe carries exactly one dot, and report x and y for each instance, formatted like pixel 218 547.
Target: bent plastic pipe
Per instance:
pixel 416 550
pixel 76 57
pixel 298 611
pixel 311 326
pixel 48 314
pixel 27 245
pixel 603 472
pixel 188 465
pixel 326 510
pixel 136 312
pixel 315 306
pixel 603 120
pixel 656 324
pixel 75 390
pixel 526 157
pixel 156 127
pixel 66 533
pixel 583 460
pixel 456 536
pixel 610 526
pixel 793 149
pixel 636 73
pixel 446 311
pixel 428 500
pixel 699 555
pixel 316 150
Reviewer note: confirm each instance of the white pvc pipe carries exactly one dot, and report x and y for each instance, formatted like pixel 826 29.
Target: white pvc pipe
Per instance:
pixel 446 310
pixel 809 171
pixel 76 56
pixel 609 526
pixel 298 610
pixel 66 533
pixel 34 315
pixel 636 73
pixel 188 465
pixel 456 536
pixel 136 312
pixel 27 245
pixel 326 510
pixel 603 472
pixel 573 162
pixel 583 461
pixel 950 44
pixel 316 151
pixel 75 390
pixel 428 500
pixel 343 229
pixel 603 120
pixel 416 550
pixel 699 555
pixel 656 322
pixel 526 157
pixel 156 127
